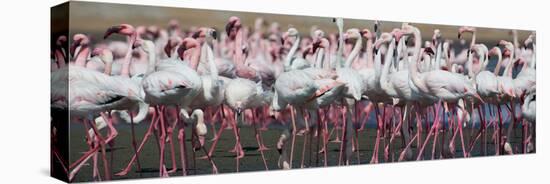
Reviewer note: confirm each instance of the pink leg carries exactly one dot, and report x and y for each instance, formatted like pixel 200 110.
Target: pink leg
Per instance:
pixel 499 131
pixel 403 153
pixel 150 130
pixel 379 126
pixel 343 142
pixel 134 143
pixel 433 130
pixel 258 138
pixel 293 116
pixel 82 160
pixel 162 142
pixel 172 151
pixel 183 148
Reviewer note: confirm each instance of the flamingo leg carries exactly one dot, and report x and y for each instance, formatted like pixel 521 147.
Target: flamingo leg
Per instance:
pixel 433 130
pixel 379 123
pixel 150 130
pixel 258 138
pixel 162 140
pixel 77 165
pixel 499 131
pixel 103 150
pixel 479 133
pixel 261 146
pixel 183 148
pixel 293 119
pixel 172 150
pixel 317 118
pixel 325 137
pixel 240 153
pixel 134 143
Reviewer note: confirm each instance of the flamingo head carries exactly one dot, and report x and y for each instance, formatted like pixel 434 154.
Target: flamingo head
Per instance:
pixel 205 33
pixel 61 40
pixel 103 53
pixel 436 37
pixel 317 35
pixel 154 31
pixel 352 34
pixel 339 22
pixel 232 26
pixel 383 39
pixel 172 43
pixel 78 40
pixel 187 44
pixel 146 45
pixel 464 29
pixel 123 29
pixel 173 25
pixel 367 34
pixel 529 40
pixel 290 33
pixel 495 51
pixel 141 30
pixel 507 45
pixel 429 51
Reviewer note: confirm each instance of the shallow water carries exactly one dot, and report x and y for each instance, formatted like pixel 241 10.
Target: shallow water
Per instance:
pixel 225 161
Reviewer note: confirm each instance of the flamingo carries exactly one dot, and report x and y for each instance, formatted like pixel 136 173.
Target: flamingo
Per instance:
pixel 529 113
pixel 442 85
pixel 111 93
pixel 243 93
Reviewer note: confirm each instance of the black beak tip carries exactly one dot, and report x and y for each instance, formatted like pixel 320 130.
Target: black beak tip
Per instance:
pixel 215 34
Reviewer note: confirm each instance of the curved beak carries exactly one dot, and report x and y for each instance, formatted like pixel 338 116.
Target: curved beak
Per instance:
pixel 181 50
pixel 111 30
pixel 168 48
pixel 136 44
pixel 228 27
pixel 73 47
pixel 196 34
pixel 214 34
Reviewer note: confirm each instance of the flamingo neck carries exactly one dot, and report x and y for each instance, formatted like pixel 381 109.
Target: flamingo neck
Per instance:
pixel 195 58
pixel 413 68
pixel 508 69
pixel 238 56
pixel 151 58
pixel 499 63
pixel 370 56
pixel 384 83
pixel 319 56
pixel 470 65
pixel 533 57
pixel 125 71
pixel 377 66
pixel 354 52
pixel 60 58
pixel 210 59
pixel 108 68
pixel 80 59
pixel 438 56
pixel 340 52
pixel 473 42
pixel 292 51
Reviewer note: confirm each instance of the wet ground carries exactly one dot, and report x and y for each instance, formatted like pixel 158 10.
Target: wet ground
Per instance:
pixel 122 151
